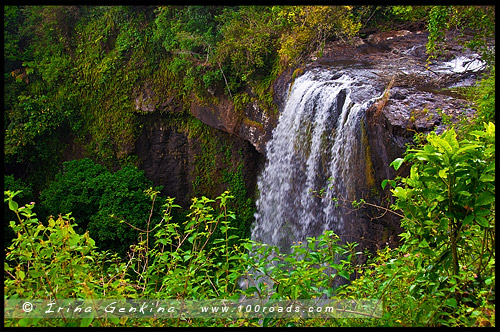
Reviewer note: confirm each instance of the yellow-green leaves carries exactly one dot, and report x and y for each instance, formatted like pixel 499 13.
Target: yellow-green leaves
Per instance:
pixel 448 201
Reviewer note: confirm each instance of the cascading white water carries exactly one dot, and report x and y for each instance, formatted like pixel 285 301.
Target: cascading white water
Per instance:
pixel 318 137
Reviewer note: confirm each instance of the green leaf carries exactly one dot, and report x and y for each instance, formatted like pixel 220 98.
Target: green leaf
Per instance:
pixel 251 290
pixel 485 198
pixel 24 322
pixel 468 220
pixel 36 274
pixel 483 222
pixel 397 163
pixel 444 145
pixel 423 244
pixel 13 205
pixel 487 178
pixel 443 173
pixel 85 322
pixel 399 192
pixel 451 302
pixel 114 320
pixel 344 274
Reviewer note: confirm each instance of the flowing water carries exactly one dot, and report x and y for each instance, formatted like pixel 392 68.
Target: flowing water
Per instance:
pixel 318 143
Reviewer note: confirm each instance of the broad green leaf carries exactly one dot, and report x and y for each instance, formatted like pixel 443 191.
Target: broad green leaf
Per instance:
pixel 399 192
pixel 487 178
pixel 20 274
pixel 13 205
pixel 451 302
pixel 343 274
pixel 397 163
pixel 24 322
pixel 85 322
pixel 482 221
pixel 444 145
pixel 423 244
pixel 485 198
pixel 468 220
pixel 466 148
pixel 384 183
pixel 36 274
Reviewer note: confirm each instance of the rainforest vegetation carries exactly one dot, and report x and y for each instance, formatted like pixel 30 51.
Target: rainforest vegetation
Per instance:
pixel 97 227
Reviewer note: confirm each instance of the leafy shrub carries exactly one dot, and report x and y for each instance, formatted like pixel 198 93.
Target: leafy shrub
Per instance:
pixel 483 95
pixel 248 43
pixel 53 260
pixel 75 189
pixel 24 196
pixel 444 273
pixel 310 27
pixel 93 194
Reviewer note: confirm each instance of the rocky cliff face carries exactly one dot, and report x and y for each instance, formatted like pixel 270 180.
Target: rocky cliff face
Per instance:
pixel 169 157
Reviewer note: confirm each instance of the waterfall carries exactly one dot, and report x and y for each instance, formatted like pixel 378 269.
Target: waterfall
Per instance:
pixel 316 144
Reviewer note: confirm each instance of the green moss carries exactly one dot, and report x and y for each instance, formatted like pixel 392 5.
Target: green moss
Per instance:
pixel 254 124
pixel 297 72
pixel 369 171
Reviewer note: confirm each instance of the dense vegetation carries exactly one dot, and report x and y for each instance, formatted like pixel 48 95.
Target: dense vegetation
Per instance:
pixel 102 230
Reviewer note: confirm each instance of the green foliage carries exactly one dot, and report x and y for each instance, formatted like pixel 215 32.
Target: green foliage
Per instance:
pixel 310 271
pixel 218 165
pixel 186 29
pixel 37 119
pixel 240 101
pixel 247 45
pixel 24 196
pixel 188 34
pixel 93 195
pixel 443 274
pixel 410 13
pixel 54 259
pixel 478 19
pixel 12 20
pixel 437 26
pixel 75 189
pixel 457 181
pixel 310 27
pixel 84 65
pixel 107 77
pixel 243 205
pixel 33 250
pixel 483 96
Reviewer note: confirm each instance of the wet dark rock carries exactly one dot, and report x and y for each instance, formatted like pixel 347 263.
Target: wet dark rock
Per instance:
pixel 164 157
pixel 168 157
